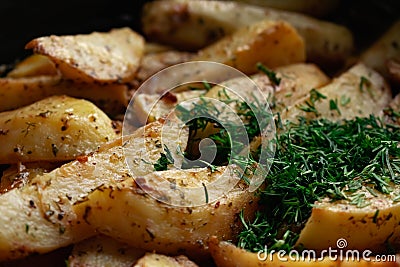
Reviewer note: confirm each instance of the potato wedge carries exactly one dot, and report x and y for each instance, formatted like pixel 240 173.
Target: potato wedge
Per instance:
pixel 386 48
pixel 15 93
pixel 314 8
pixel 34 65
pixel 103 251
pixel 273 43
pixel 226 254
pixel 42 212
pixel 192 25
pixel 104 57
pixel 159 260
pixel 374 227
pixel 358 92
pixel 152 225
pixel 65 128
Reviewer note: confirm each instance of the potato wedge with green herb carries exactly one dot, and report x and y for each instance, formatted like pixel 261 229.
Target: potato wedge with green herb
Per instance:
pixel 42 212
pixel 192 25
pixel 386 48
pixel 103 57
pixel 65 128
pixel 127 213
pixel 112 99
pixel 103 251
pixel 272 43
pixel 358 92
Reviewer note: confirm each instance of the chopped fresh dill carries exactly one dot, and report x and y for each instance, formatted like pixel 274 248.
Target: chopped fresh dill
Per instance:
pixel 165 160
pixel 309 106
pixel 315 159
pixel 333 105
pixel 271 74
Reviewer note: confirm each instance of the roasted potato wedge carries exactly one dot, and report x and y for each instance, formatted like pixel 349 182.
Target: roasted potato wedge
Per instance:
pixel 152 225
pixel 103 57
pixel 65 128
pixel 226 254
pixel 192 25
pixel 34 65
pixel 272 43
pixel 386 48
pixel 103 251
pixel 112 99
pixel 314 8
pixel 159 260
pixel 42 212
pixel 358 92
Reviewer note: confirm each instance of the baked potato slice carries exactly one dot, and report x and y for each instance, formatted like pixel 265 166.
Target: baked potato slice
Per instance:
pixel 42 213
pixel 272 43
pixel 103 57
pixel 192 25
pixel 127 213
pixel 386 48
pixel 159 260
pixel 112 99
pixel 65 128
pixel 103 251
pixel 358 92
pixel 34 65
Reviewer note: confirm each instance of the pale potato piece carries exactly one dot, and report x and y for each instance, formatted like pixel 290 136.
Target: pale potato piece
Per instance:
pixel 57 128
pixel 358 92
pixel 105 57
pixel 272 43
pixel 372 227
pixel 159 260
pixel 103 251
pixel 384 49
pixel 226 254
pixel 192 25
pixel 42 213
pixel 152 225
pixel 153 48
pixel 315 8
pixel 34 65
pixel 15 93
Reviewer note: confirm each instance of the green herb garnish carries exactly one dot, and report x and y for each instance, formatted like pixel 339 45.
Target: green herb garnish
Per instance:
pixel 271 74
pixel 165 160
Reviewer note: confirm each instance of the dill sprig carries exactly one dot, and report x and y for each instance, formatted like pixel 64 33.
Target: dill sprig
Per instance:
pixel 315 159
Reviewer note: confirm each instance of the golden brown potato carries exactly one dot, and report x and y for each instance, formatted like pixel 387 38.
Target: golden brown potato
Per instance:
pixel 153 225
pixel 15 93
pixel 360 91
pixel 159 260
pixel 105 57
pixel 386 48
pixel 272 43
pixel 34 65
pixel 57 128
pixel 192 25
pixel 42 213
pixel 103 251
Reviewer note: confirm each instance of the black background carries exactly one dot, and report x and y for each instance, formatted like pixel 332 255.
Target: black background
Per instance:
pixel 23 20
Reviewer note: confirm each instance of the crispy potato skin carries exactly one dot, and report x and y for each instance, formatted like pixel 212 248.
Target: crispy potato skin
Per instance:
pixel 192 25
pixel 65 128
pixel 103 57
pixel 278 40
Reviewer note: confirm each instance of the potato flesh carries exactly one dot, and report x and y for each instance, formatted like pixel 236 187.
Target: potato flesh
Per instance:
pixel 196 24
pixel 34 65
pixel 105 57
pixel 278 40
pixel 358 92
pixel 42 212
pixel 112 99
pixel 159 260
pixel 152 225
pixel 57 128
